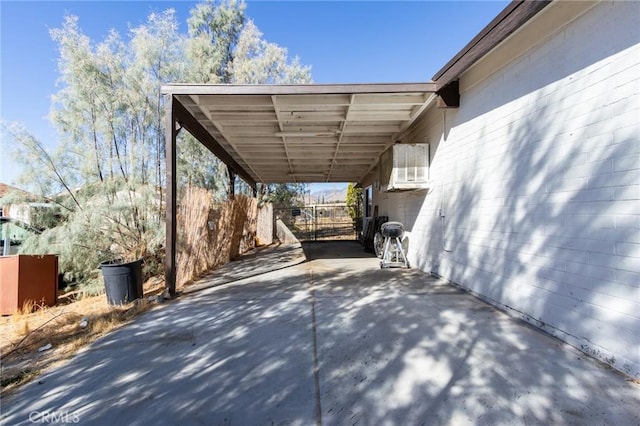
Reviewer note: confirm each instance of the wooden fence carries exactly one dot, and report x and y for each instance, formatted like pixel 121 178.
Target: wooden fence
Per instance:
pixel 212 234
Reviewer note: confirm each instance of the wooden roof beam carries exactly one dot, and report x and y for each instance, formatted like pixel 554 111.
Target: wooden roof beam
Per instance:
pixel 449 95
pixel 516 14
pixel 193 126
pixel 296 89
pixel 342 126
pixel 428 99
pixel 218 126
pixel 284 139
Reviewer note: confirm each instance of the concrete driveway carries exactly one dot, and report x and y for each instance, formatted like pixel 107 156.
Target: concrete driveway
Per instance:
pixel 332 341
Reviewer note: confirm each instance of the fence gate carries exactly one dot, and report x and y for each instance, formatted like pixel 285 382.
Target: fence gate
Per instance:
pixel 318 222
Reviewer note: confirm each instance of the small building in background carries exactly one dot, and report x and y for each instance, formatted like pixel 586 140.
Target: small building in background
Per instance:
pixel 19 220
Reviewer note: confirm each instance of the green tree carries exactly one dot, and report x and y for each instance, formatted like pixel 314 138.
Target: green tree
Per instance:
pixel 286 195
pixel 109 111
pixel 224 46
pixel 260 62
pixel 354 196
pixel 214 31
pixel 108 169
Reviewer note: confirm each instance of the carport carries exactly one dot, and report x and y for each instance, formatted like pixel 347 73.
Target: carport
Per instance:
pixel 319 334
pixel 291 133
pixel 312 132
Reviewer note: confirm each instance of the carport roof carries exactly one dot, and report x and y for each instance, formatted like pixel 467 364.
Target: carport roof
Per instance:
pixel 302 132
pixel 313 133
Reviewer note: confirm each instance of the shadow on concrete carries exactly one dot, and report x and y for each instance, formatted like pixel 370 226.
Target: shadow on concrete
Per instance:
pixel 258 261
pixel 545 223
pixel 338 249
pixel 391 347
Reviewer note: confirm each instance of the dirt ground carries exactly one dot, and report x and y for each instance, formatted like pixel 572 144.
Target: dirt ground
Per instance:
pixel 39 337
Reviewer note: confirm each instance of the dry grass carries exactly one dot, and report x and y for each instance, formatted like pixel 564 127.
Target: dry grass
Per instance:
pixel 201 248
pixel 33 327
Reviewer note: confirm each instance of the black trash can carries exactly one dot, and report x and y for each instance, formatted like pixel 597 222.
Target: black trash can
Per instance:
pixel 122 281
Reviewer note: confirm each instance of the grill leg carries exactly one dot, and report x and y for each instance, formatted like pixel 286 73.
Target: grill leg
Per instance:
pixel 386 253
pixel 401 251
pixel 393 254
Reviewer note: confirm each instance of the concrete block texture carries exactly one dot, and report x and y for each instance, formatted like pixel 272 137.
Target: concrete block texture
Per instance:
pixel 534 197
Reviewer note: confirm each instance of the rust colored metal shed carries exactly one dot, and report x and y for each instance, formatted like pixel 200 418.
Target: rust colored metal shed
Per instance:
pixel 27 278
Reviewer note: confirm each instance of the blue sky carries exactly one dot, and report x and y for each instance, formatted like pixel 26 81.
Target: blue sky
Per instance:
pixel 344 42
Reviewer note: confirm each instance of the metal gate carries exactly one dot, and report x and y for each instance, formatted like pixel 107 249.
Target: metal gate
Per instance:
pixel 318 222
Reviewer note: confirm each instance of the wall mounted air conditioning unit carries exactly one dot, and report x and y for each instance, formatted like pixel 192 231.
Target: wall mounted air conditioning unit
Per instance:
pixel 404 167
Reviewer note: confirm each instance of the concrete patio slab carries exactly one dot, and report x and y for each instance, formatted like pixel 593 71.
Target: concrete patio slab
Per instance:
pixel 332 341
pixel 258 261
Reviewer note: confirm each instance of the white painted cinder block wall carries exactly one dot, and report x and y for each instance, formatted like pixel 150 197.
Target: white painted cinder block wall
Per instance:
pixel 538 177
